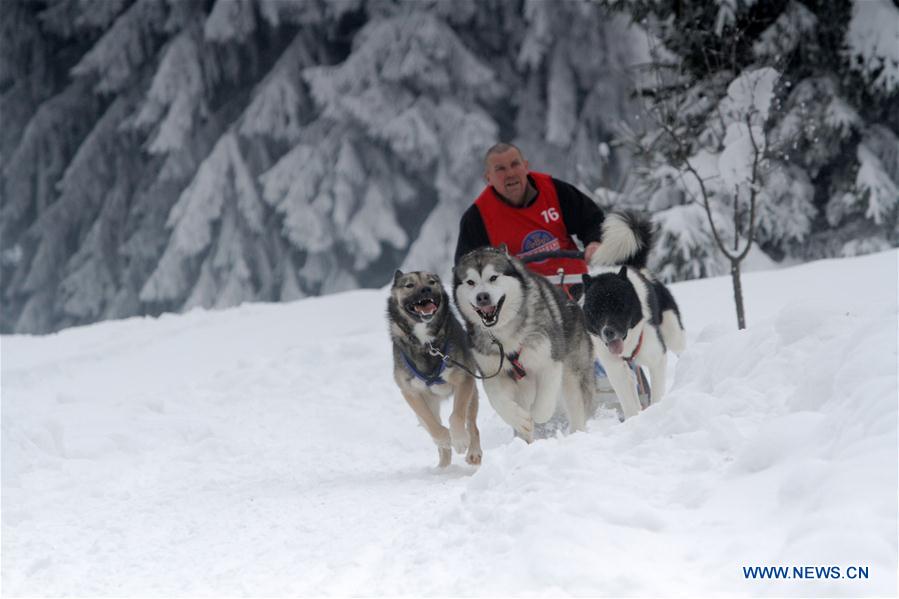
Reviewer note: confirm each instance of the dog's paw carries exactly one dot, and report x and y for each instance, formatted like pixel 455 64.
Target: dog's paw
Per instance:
pixel 523 423
pixel 474 456
pixel 460 437
pixel 442 439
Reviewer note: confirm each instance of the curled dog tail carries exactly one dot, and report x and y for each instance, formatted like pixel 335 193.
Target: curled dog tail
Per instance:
pixel 627 237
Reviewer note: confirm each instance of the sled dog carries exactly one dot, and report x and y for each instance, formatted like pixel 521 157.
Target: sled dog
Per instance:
pixel 631 317
pixel 520 319
pixel 424 331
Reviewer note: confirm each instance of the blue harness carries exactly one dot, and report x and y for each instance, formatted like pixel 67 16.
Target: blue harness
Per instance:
pixel 434 378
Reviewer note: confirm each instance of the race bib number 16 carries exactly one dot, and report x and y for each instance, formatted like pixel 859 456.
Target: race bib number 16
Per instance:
pixel 550 215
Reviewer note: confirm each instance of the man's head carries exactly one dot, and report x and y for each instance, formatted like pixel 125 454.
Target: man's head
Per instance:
pixel 507 171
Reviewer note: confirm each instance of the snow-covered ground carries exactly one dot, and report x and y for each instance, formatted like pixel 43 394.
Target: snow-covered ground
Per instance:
pixel 264 450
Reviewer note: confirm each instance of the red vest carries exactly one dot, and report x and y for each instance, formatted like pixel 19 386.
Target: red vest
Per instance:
pixel 532 230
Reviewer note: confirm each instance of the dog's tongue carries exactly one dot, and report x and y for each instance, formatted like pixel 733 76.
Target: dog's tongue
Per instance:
pixel 488 310
pixel 426 308
pixel 616 347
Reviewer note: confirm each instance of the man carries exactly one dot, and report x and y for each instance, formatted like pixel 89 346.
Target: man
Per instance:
pixel 531 213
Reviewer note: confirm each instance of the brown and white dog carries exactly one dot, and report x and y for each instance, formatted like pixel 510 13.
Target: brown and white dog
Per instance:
pixel 423 330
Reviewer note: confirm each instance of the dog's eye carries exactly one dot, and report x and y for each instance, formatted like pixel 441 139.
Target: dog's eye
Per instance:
pixel 410 285
pixel 470 283
pixel 494 278
pixel 432 282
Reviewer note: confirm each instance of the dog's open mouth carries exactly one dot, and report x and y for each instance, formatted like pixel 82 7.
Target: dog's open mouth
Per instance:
pixel 490 314
pixel 425 308
pixel 616 346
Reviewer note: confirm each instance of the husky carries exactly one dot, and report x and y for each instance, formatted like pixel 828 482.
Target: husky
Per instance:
pixel 631 316
pixel 431 361
pixel 529 341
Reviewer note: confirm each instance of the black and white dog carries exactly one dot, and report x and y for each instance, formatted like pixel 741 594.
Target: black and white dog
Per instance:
pixel 631 317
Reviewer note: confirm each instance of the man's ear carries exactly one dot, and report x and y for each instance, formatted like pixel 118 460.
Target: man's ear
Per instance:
pixel 396 276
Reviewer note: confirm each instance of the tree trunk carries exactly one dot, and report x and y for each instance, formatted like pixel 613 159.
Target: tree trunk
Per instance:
pixel 738 293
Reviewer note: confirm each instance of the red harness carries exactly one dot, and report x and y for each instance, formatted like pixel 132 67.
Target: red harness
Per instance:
pixel 636 349
pixel 518 372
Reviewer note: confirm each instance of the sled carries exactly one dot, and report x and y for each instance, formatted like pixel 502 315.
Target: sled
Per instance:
pixel 605 394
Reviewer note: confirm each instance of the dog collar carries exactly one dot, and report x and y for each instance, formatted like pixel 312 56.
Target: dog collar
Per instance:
pixel 636 349
pixel 434 378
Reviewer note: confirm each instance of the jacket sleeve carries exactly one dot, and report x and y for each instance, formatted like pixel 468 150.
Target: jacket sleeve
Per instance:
pixel 472 233
pixel 581 215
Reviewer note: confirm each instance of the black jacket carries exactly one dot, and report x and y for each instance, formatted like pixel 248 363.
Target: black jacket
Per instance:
pixel 582 218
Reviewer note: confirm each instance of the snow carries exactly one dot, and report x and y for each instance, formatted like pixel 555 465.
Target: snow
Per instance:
pixel 196 222
pixel 561 100
pixel 873 179
pixel 745 110
pixel 750 95
pixel 264 450
pixel 175 97
pixel 124 46
pixel 787 32
pixel 230 20
pixel 280 103
pixel 873 42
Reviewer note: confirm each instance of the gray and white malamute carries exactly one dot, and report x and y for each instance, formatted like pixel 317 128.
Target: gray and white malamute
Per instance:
pixel 632 317
pixel 430 355
pixel 547 352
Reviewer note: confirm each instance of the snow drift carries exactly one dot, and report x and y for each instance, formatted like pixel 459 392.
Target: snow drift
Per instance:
pixel 264 450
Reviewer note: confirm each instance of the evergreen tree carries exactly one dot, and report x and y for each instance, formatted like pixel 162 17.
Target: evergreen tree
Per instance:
pixel 411 95
pixel 828 186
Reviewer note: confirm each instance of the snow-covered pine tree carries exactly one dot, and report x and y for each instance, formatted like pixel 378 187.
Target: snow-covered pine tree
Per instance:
pixel 823 191
pixel 74 271
pixel 279 109
pixel 570 108
pixel 45 119
pixel 410 100
pixel 218 254
pixel 866 211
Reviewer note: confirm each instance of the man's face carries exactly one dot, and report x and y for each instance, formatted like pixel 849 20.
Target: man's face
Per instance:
pixel 507 172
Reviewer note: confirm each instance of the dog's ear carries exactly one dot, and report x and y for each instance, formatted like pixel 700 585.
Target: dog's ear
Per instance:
pixel 396 277
pixel 623 272
pixel 503 248
pixel 576 291
pixel 586 280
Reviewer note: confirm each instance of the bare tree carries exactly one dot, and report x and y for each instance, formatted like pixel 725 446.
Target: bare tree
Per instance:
pixel 732 134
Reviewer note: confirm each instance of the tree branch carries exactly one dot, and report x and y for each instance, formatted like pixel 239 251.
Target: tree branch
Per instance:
pixel 753 188
pixel 683 157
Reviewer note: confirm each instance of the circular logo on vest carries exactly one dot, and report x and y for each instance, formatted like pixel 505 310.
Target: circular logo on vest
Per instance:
pixel 537 242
